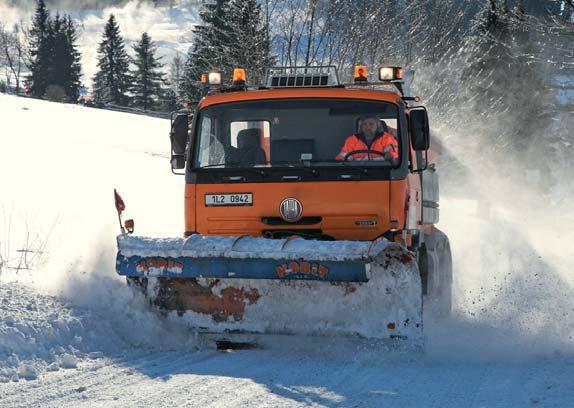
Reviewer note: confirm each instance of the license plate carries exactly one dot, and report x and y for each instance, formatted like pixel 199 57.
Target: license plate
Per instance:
pixel 228 199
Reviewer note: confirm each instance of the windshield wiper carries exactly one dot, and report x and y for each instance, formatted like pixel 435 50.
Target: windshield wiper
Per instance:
pixel 352 163
pixel 240 166
pixel 297 165
pixel 247 166
pixel 343 162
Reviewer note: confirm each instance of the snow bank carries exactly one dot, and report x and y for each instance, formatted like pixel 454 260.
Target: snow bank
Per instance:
pixel 39 332
pixel 58 207
pixel 92 316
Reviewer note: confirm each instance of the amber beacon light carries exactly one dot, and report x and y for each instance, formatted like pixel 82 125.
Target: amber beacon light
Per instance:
pixel 360 73
pixel 238 76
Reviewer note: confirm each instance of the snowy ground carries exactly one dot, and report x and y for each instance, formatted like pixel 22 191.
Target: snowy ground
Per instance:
pixel 72 333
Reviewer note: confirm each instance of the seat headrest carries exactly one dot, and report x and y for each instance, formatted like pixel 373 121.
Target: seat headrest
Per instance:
pixel 384 126
pixel 249 138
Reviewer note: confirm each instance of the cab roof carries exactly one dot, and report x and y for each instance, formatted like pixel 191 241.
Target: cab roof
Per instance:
pixel 298 93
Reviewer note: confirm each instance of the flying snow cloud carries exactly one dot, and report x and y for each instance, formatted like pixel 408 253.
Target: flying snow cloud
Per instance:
pixel 510 225
pixel 168 22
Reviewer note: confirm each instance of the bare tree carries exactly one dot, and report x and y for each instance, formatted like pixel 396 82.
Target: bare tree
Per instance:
pixel 341 32
pixel 300 31
pixel 13 53
pixel 176 69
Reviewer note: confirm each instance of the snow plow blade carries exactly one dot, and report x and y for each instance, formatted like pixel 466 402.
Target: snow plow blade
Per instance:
pixel 249 285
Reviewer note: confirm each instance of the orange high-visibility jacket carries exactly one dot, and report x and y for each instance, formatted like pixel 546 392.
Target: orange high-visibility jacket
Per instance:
pixel 384 142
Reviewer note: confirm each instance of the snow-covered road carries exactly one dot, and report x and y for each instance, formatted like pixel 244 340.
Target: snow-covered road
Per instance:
pixel 72 334
pixel 142 376
pixel 264 379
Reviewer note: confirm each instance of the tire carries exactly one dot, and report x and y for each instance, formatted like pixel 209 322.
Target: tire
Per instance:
pixel 423 264
pixel 439 274
pixel 443 300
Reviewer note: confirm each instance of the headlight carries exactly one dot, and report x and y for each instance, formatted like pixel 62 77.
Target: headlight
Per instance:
pixel 390 73
pixel 214 78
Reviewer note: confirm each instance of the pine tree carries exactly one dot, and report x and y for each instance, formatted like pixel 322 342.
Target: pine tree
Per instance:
pixel 65 69
pixel 72 65
pixel 169 101
pixel 40 50
pixel 249 46
pixel 210 49
pixel 113 80
pixel 55 59
pixel 148 77
pixel 59 69
pixel 176 72
pixel 234 33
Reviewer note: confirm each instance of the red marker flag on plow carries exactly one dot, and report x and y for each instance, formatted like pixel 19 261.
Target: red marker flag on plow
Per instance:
pixel 120 206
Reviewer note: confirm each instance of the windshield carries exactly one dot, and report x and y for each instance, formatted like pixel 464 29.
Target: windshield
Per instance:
pixel 271 133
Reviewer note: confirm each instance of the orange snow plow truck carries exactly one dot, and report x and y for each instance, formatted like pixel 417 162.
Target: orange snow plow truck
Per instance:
pixel 310 209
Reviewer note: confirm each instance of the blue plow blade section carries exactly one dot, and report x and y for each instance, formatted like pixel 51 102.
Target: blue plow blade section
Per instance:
pixel 240 268
pixel 246 258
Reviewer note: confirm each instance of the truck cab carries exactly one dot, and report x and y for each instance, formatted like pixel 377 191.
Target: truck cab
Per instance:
pixel 267 162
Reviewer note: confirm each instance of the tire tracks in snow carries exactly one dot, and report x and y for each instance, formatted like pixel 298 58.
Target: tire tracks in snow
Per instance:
pixel 201 383
pixel 159 386
pixel 61 383
pixel 262 379
pixel 61 387
pixel 232 379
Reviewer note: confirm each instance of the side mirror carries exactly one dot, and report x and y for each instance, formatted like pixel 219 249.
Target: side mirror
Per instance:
pixel 177 161
pixel 419 125
pixel 178 134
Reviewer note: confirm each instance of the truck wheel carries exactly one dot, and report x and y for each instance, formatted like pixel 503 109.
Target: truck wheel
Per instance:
pixel 439 274
pixel 444 298
pixel 423 263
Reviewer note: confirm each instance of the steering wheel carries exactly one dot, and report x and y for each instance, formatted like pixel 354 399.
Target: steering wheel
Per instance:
pixel 368 151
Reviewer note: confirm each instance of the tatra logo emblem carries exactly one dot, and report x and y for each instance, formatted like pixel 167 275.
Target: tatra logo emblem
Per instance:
pixel 291 209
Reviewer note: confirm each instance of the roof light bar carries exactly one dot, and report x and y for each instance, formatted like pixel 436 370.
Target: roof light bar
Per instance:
pixel 302 77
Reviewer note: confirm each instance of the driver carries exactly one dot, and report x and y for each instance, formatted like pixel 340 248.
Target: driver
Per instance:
pixel 372 135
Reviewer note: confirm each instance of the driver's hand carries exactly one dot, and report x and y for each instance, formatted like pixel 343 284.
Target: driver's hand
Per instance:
pixel 375 156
